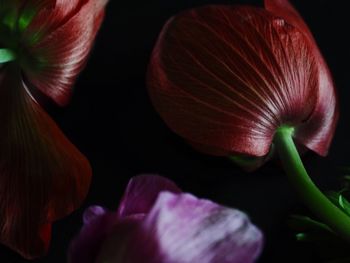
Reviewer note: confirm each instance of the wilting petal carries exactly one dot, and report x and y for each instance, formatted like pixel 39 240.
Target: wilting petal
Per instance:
pixel 226 78
pixel 318 132
pixel 59 40
pixel 43 177
pixel 98 223
pixel 142 192
pixel 183 229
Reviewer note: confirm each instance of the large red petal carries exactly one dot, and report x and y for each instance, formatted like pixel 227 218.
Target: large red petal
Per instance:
pixel 226 77
pixel 43 177
pixel 318 132
pixel 58 43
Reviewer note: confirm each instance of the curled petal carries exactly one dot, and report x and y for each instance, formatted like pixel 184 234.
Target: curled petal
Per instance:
pixel 142 192
pixel 183 229
pixel 226 78
pixel 43 177
pixel 92 213
pixel 98 223
pixel 58 42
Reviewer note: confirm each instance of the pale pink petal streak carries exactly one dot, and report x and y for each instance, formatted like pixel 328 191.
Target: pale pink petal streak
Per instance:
pixel 142 192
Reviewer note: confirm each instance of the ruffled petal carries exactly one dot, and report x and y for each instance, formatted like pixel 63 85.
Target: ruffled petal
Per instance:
pixel 142 192
pixel 227 77
pixel 43 177
pixel 318 131
pixel 183 229
pixel 58 42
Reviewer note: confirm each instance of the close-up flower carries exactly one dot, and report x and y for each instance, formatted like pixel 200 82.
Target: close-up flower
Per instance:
pixel 157 223
pixel 243 104
pixel 227 77
pixel 243 81
pixel 44 44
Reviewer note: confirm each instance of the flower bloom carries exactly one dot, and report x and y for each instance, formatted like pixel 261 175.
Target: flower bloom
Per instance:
pixel 43 177
pixel 226 77
pixel 157 223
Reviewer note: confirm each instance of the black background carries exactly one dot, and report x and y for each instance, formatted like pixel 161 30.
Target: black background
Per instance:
pixel 111 120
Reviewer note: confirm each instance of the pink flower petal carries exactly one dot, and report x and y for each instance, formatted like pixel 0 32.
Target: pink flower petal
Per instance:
pixel 188 229
pixel 124 243
pixel 183 229
pixel 92 213
pixel 142 192
pixel 98 223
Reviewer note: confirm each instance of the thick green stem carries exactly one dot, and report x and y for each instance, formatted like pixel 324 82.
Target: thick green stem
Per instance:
pixel 6 55
pixel 317 202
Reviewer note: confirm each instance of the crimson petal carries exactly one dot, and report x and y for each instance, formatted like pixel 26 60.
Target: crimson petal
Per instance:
pixel 58 42
pixel 284 9
pixel 226 78
pixel 325 116
pixel 142 192
pixel 43 177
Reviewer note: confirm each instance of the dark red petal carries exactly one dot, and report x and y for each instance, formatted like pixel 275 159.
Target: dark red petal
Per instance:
pixel 285 10
pixel 142 192
pixel 318 132
pixel 58 43
pixel 50 15
pixel 226 77
pixel 43 177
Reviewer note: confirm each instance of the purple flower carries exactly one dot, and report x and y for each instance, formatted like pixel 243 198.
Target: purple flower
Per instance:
pixel 157 223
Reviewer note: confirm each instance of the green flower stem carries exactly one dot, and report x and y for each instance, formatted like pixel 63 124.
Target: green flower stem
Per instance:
pixel 317 202
pixel 6 55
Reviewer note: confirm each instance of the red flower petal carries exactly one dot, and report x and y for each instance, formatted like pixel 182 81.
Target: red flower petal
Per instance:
pixel 285 10
pixel 43 177
pixel 142 192
pixel 58 42
pixel 227 77
pixel 325 116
